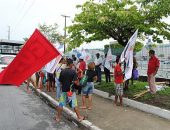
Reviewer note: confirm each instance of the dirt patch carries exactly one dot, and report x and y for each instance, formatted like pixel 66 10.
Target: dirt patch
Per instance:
pixel 159 101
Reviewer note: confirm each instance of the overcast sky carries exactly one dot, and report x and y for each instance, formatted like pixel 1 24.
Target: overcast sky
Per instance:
pixel 23 16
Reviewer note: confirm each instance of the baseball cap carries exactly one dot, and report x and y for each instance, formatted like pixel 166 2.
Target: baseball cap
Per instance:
pixel 81 57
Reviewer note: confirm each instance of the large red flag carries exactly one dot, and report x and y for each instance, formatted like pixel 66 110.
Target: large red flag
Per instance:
pixel 37 52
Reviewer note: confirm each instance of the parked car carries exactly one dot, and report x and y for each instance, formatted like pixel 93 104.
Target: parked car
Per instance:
pixel 5 60
pixel 166 62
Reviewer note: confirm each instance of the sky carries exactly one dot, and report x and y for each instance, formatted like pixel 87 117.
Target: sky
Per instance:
pixel 23 17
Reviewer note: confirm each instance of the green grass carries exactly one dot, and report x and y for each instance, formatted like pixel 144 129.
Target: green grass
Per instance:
pixel 160 99
pixel 136 88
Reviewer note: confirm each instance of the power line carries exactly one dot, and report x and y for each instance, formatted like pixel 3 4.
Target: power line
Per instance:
pixel 25 13
pixel 19 7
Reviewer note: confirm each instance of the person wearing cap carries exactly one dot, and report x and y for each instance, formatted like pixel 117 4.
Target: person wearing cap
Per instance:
pixel 82 64
pixel 67 78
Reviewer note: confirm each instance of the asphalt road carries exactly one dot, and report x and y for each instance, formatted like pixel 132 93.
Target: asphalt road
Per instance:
pixel 20 110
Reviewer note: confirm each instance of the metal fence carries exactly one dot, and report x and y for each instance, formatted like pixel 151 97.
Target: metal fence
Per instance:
pixel 163 53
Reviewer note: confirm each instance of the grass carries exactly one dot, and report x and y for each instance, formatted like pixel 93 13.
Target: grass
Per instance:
pixel 161 99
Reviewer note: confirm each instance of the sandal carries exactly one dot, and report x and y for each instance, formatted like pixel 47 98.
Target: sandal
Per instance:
pixel 56 119
pixel 83 118
pixel 83 107
pixel 89 108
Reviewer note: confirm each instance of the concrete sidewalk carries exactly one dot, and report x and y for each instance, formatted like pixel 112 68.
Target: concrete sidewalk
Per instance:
pixel 108 117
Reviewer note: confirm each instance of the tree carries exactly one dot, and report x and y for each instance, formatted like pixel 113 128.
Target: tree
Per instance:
pixel 119 20
pixel 51 33
pixel 117 48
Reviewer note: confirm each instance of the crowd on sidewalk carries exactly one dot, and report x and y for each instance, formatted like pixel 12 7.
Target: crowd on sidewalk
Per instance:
pixel 74 76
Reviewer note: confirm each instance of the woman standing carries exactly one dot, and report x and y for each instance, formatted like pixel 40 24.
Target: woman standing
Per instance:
pixel 88 89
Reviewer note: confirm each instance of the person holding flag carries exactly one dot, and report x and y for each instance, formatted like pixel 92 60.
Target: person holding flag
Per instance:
pixel 118 80
pixel 98 63
pixel 107 64
pixel 127 56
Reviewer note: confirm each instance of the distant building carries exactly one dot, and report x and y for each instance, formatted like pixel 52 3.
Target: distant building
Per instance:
pixel 161 50
pixel 10 47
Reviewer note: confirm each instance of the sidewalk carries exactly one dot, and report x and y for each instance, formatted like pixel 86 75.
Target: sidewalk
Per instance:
pixel 108 117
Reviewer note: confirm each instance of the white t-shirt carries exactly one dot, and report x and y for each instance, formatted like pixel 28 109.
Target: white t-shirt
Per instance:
pixel 98 61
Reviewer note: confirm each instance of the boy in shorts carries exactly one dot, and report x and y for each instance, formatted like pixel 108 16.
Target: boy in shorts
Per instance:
pixel 118 79
pixel 67 78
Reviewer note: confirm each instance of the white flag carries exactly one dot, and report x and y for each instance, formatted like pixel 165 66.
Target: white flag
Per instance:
pixel 87 56
pixel 108 59
pixel 52 65
pixel 127 55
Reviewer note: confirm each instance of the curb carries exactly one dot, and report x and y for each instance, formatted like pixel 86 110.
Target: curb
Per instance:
pixel 70 114
pixel 141 106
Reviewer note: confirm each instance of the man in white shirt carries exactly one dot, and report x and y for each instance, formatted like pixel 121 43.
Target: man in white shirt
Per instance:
pixel 98 63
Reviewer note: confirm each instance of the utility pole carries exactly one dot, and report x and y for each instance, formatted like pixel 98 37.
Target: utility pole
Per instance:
pixel 65 31
pixel 8 32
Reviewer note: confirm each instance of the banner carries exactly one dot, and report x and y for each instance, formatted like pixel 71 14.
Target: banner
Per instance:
pixel 127 55
pixel 52 65
pixel 36 52
pixel 108 59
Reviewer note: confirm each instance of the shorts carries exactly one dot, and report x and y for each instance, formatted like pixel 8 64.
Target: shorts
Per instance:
pixel 64 100
pixel 119 89
pixel 88 89
pixel 50 77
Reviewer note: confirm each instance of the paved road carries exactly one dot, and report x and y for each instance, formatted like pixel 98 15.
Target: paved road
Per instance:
pixel 22 111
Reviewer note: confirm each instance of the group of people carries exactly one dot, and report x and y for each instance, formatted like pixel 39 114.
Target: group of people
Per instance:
pixel 70 71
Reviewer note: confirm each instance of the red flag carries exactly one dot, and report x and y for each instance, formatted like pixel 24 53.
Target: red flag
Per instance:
pixel 37 52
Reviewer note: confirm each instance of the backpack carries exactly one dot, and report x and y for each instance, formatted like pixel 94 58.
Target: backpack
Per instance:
pixel 135 74
pixel 83 81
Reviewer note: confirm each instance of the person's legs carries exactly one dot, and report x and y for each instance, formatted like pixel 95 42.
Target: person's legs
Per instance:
pixel 121 94
pixel 109 78
pixel 79 89
pixel 90 102
pixel 78 114
pixel 37 76
pixel 57 88
pixel 100 74
pixel 116 97
pixel 97 72
pixel 40 83
pixel 73 104
pixel 83 102
pixel 105 72
pixel 53 85
pixel 121 100
pixel 131 80
pixel 152 85
pixel 126 85
pixel 62 102
pixel 58 115
pixel 28 84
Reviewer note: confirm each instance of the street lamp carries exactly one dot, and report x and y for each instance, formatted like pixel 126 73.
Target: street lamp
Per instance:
pixel 65 16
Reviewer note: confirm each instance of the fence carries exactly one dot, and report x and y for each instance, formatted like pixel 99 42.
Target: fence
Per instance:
pixel 163 53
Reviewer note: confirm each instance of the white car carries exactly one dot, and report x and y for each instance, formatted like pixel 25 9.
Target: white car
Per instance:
pixel 5 60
